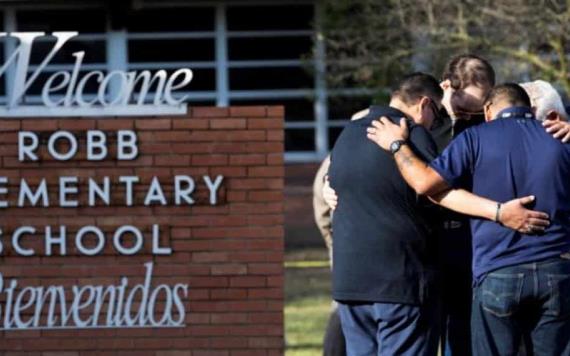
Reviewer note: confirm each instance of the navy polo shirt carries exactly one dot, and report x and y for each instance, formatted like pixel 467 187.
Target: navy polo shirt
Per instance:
pixel 383 247
pixel 511 157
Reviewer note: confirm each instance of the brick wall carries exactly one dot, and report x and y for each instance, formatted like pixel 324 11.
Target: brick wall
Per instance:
pixel 230 255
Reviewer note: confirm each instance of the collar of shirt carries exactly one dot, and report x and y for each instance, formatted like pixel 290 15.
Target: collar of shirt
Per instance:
pixel 377 111
pixel 519 112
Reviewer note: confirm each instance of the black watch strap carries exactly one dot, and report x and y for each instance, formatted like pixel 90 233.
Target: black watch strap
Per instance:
pixel 396 145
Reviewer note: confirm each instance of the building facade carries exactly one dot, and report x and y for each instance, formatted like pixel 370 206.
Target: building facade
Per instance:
pixel 241 53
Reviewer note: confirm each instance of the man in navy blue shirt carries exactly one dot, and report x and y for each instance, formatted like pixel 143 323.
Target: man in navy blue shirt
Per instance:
pixel 522 281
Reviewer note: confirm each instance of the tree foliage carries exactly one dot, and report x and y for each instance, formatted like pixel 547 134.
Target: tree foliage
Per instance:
pixel 372 42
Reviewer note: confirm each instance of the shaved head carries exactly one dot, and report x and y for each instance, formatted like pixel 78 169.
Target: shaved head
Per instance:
pixel 510 94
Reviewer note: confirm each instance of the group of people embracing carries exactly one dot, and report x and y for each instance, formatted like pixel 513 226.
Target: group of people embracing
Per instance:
pixel 451 219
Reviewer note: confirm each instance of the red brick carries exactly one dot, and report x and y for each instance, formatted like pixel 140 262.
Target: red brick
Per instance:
pixel 265 123
pixel 115 124
pixel 277 111
pixel 230 318
pixel 172 160
pixel 210 257
pixel 276 135
pixel 248 111
pixel 265 268
pixel 153 124
pixel 275 159
pixel 228 294
pixel 171 136
pixel 265 147
pixel 265 172
pixel 77 124
pixel 230 255
pixel 247 160
pixel 39 125
pixel 209 160
pixel 275 293
pixel 265 195
pixel 189 123
pixel 228 124
pixel 247 282
pixel 10 137
pixel 229 171
pixel 198 112
pixel 229 269
pixel 264 342
pixel 10 125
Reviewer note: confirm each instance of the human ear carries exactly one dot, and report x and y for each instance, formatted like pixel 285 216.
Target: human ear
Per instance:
pixel 487 112
pixel 553 115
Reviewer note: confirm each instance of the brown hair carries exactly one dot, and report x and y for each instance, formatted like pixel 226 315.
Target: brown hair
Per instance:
pixel 416 85
pixel 469 69
pixel 511 93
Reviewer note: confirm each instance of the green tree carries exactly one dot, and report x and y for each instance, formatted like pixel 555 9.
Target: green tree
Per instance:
pixel 371 42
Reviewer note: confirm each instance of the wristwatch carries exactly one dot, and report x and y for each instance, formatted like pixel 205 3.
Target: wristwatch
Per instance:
pixel 396 145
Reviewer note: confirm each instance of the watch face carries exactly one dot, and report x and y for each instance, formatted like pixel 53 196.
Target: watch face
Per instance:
pixel 395 146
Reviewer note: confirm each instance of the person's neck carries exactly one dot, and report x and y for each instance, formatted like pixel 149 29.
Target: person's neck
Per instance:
pixel 498 107
pixel 400 105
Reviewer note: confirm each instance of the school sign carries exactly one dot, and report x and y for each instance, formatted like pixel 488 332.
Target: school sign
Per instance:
pixel 160 231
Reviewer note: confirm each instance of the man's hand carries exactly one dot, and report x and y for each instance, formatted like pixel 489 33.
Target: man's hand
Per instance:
pixel 514 215
pixel 384 132
pixel 329 195
pixel 559 129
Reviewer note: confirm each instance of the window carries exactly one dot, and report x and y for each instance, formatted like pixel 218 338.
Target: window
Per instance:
pixel 166 50
pixel 241 53
pixel 296 110
pixel 82 20
pixel 174 19
pixel 273 17
pixel 270 48
pixel 300 140
pixel 270 78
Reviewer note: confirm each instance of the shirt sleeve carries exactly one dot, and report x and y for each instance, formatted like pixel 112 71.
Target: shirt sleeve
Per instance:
pixel 455 164
pixel 422 143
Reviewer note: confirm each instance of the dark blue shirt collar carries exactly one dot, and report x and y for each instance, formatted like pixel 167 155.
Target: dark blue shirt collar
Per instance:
pixel 378 110
pixel 519 112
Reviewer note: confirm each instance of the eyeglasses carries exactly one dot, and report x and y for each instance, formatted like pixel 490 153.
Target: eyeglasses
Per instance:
pixel 465 112
pixel 435 110
pixel 468 115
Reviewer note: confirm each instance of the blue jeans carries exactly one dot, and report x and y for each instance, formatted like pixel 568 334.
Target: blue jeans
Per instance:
pixel 389 329
pixel 528 301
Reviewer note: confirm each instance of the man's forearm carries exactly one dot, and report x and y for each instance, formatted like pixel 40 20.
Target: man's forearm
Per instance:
pixel 425 181
pixel 417 173
pixel 467 203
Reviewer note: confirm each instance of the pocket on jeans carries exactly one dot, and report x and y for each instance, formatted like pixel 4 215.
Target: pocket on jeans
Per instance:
pixel 559 302
pixel 501 293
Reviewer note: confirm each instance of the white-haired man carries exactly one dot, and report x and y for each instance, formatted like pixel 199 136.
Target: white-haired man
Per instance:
pixel 545 100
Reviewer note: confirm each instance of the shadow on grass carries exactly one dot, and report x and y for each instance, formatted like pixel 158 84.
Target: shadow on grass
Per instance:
pixel 307 308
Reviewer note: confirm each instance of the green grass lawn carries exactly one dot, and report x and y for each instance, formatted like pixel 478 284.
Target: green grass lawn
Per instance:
pixel 307 303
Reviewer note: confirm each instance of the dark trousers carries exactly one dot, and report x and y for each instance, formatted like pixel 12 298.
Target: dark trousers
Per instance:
pixel 456 311
pixel 390 329
pixel 457 295
pixel 334 344
pixel 528 301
